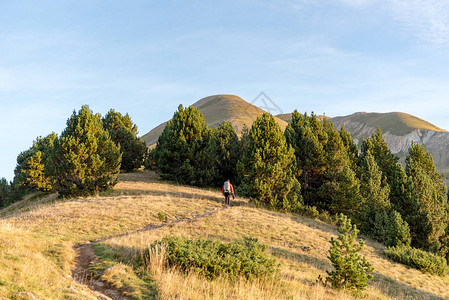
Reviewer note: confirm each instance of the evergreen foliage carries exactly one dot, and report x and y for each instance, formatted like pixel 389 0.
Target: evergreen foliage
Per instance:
pixel 351 148
pixel 124 133
pixel 375 197
pixel 182 151
pixel 378 148
pixel 346 197
pixel 321 156
pixel 336 160
pixel 376 216
pixel 307 137
pixel 427 262
pixel 352 270
pixel 84 159
pixel 224 147
pixel 429 195
pixel 5 192
pixel 31 172
pixel 212 258
pixel 397 231
pixel 267 167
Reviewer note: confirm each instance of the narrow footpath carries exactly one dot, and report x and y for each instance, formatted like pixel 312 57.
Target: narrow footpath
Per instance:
pixel 85 257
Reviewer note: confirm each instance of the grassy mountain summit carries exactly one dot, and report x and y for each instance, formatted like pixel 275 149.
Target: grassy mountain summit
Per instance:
pixel 217 109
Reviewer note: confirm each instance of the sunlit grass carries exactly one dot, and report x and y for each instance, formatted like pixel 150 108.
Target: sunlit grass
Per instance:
pixel 37 238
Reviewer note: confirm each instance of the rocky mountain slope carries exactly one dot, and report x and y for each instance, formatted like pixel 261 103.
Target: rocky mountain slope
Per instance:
pixel 399 130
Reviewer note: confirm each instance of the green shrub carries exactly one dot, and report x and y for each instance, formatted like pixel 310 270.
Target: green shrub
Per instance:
pixel 212 258
pixel 422 260
pixel 161 216
pixel 352 270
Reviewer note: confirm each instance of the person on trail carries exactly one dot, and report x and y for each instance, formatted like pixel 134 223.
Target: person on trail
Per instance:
pixel 227 191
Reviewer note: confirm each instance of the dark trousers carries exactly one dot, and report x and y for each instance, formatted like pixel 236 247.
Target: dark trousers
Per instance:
pixel 227 198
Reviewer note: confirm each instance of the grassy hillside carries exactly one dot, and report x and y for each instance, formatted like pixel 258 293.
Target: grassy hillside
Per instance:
pixel 217 109
pixel 38 235
pixel 396 123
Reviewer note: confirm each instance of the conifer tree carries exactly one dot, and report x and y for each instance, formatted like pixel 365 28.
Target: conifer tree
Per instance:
pixel 267 167
pixel 336 159
pixel 373 212
pixel 225 149
pixel 5 192
pixel 352 270
pixel 308 138
pixel 84 159
pixel 346 197
pixel 31 172
pixel 351 148
pixel 179 152
pixel 124 133
pixel 385 159
pixel 428 191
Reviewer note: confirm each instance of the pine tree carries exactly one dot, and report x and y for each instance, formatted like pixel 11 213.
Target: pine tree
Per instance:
pixel 352 270
pixel 346 197
pixel 84 159
pixel 372 213
pixel 179 153
pixel 267 167
pixel 31 172
pixel 5 193
pixel 225 149
pixel 429 192
pixel 336 159
pixel 308 138
pixel 385 159
pixel 351 148
pixel 124 133
pixel 397 231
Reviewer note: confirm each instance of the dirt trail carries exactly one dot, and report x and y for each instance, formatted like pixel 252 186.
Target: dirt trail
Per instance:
pixel 85 257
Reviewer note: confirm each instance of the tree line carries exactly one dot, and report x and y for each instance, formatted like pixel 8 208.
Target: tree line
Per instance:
pixel 310 167
pixel 313 166
pixel 84 159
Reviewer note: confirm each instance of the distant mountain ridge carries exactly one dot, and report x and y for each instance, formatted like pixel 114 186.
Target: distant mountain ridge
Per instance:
pixel 399 130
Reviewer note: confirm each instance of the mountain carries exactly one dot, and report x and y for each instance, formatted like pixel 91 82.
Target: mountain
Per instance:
pixel 217 109
pixel 399 130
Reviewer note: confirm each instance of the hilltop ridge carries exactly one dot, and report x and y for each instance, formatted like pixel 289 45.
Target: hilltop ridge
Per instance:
pixel 217 109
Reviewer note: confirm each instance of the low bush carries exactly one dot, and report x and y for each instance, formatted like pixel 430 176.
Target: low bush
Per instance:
pixel 212 258
pixel 424 261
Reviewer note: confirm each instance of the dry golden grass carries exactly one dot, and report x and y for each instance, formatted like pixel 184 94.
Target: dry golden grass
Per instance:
pixel 37 235
pixel 301 244
pixel 36 240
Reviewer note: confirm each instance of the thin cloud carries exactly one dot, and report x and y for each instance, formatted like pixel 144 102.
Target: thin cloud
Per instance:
pixel 425 19
pixel 428 18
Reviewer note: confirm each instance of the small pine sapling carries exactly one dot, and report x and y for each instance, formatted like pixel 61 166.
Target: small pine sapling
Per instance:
pixel 352 270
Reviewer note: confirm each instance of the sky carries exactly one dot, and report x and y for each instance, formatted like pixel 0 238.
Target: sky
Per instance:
pixel 145 58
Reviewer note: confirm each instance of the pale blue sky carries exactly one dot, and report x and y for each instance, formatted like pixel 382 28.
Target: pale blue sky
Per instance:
pixel 146 57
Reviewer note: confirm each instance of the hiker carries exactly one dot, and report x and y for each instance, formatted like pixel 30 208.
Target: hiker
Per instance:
pixel 227 190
